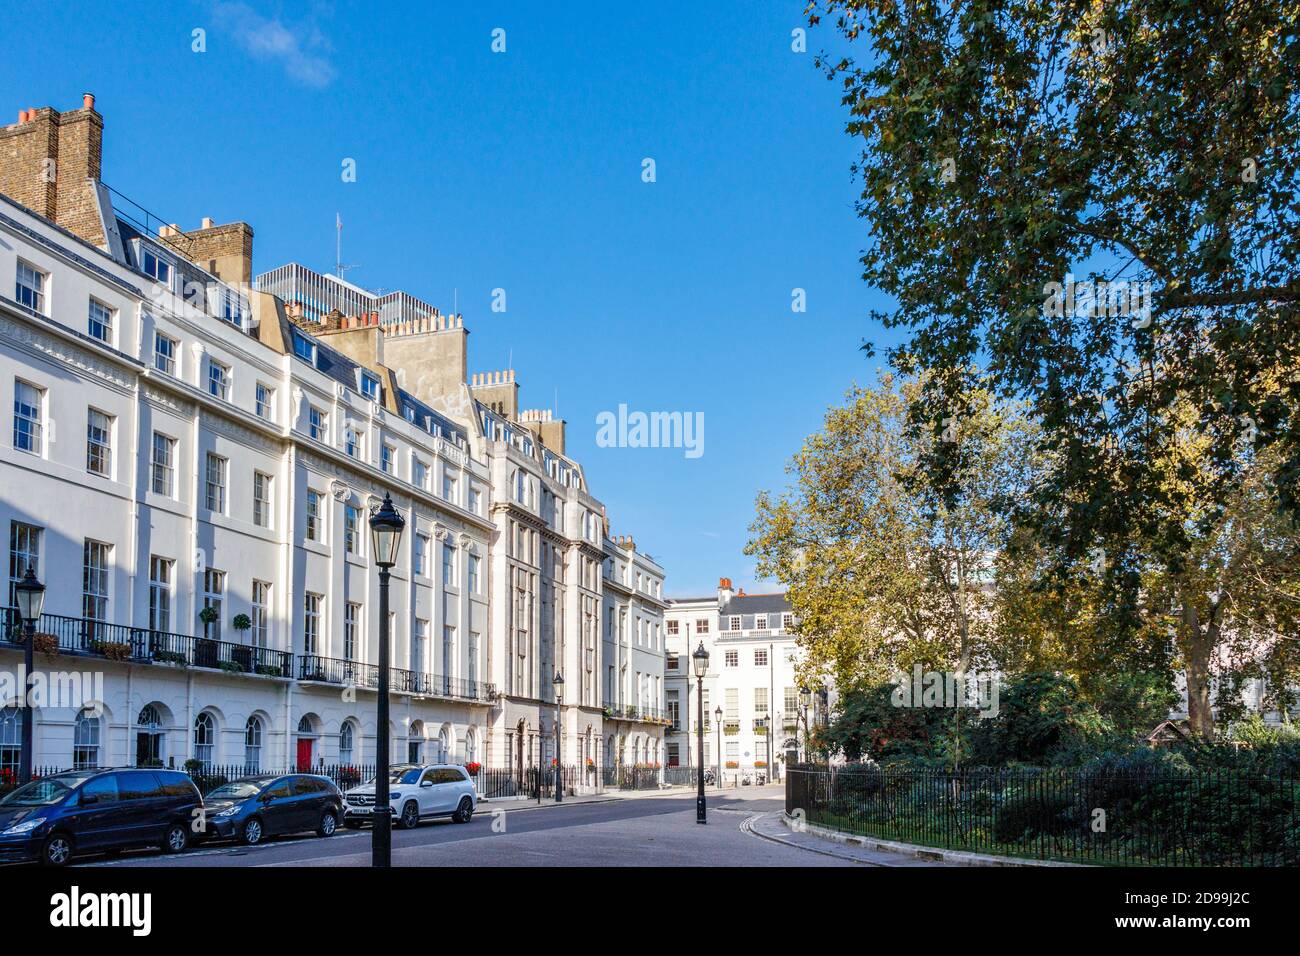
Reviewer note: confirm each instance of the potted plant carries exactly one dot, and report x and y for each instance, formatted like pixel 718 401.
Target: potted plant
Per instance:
pixel 243 655
pixel 473 767
pixel 113 650
pixel 47 644
pixel 732 764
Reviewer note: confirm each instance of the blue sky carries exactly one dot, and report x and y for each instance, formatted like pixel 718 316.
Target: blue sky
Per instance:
pixel 522 171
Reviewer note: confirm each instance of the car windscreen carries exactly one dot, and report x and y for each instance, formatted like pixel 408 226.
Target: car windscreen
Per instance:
pixel 237 790
pixel 41 793
pixel 407 775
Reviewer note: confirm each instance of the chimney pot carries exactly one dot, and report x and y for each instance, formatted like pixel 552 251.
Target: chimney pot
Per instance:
pixel 88 101
pixel 207 222
pixel 22 117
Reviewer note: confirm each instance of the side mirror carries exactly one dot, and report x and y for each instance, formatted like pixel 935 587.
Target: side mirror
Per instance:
pixel 426 783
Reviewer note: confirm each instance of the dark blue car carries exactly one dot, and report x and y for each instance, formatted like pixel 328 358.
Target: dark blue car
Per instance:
pixel 97 811
pixel 253 808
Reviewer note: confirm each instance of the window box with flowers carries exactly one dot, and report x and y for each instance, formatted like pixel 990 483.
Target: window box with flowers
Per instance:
pixel 760 764
pixel 732 764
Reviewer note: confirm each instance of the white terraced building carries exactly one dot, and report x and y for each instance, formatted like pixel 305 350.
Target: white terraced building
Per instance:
pixel 189 464
pixel 751 679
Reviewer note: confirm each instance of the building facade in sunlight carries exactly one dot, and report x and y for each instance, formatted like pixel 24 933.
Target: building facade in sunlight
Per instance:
pixel 189 462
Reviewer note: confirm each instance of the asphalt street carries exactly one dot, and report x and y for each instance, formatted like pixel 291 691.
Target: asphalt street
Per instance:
pixel 637 831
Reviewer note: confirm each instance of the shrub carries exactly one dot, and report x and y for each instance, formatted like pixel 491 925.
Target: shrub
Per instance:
pixel 1029 815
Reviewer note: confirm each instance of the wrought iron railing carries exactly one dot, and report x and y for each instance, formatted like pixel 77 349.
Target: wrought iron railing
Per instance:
pixel 59 634
pixel 331 670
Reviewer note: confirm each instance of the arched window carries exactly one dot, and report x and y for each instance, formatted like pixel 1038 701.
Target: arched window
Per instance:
pixel 415 743
pixel 304 725
pixel 205 736
pixel 444 746
pixel 471 746
pixel 11 740
pixel 85 741
pixel 345 743
pixel 253 745
pixel 149 737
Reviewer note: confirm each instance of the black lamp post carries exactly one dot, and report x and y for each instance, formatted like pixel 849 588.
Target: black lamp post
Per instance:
pixel 717 719
pixel 700 660
pixel 558 683
pixel 386 534
pixel 805 700
pixel 29 594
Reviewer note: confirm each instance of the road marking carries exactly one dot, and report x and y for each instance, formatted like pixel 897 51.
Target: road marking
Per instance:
pixel 747 826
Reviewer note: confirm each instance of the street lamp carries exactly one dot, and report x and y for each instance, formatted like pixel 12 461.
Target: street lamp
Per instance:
pixel 805 701
pixel 717 718
pixel 700 661
pixel 29 594
pixel 386 535
pixel 558 683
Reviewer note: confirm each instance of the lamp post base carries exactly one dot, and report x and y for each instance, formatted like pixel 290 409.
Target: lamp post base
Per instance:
pixel 700 813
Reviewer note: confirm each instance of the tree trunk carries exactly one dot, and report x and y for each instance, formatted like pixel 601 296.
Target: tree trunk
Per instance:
pixel 1196 644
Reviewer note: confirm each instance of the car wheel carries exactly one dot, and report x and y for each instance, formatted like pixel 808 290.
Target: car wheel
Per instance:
pixel 57 850
pixel 251 834
pixel 410 816
pixel 328 824
pixel 176 839
pixel 465 811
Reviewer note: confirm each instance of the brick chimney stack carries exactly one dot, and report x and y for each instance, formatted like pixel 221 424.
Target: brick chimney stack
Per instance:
pixel 50 163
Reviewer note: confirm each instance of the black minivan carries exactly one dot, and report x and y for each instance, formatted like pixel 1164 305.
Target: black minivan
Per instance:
pixel 253 808
pixel 97 811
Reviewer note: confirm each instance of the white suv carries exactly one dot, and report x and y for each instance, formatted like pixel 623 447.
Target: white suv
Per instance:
pixel 417 793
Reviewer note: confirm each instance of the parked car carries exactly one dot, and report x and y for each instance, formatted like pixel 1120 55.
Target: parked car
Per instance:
pixel 417 793
pixel 253 808
pixel 55 818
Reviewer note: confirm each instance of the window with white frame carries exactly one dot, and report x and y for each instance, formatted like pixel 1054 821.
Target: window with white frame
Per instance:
pixel 419 645
pixel 265 402
pixel 99 443
pixel 787 621
pixel 160 593
pixel 702 625
pixel 475 500
pixel 734 622
pixel 218 380
pixel 672 628
pixel 155 266
pixel 450 481
pixel 311 623
pixel 96 566
pixel 448 565
pixel 352 442
pixel 214 597
pixel 205 737
pixel 370 386
pixel 164 353
pixel 304 347
pixel 162 465
pixel 420 554
pixel 475 564
pixel 448 651
pixel 760 657
pixel 261 500
pixel 386 456
pixel 760 622
pixel 215 483
pixel 471 652
pixel 732 658
pixel 29 289
pixel 99 322
pixel 85 740
pixel 24 553
pixel 253 745
pixel 260 613
pixel 351 618
pixel 314 530
pixel 419 473
pixel 29 417
pixel 351 525
pixel 318 424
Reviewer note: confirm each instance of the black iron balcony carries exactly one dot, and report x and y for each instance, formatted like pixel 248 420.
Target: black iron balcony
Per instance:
pixel 57 634
pixel 332 670
pixel 645 714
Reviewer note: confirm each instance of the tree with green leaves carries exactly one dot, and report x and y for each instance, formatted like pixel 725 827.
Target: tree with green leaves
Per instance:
pixel 882 571
pixel 1092 208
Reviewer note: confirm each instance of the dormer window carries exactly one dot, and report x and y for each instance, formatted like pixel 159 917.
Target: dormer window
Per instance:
pixel 304 348
pixel 155 266
pixel 232 309
pixel 370 386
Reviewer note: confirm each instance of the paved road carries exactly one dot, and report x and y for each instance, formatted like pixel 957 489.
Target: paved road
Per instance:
pixel 644 831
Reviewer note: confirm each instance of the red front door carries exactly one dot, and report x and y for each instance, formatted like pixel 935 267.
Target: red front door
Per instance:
pixel 304 756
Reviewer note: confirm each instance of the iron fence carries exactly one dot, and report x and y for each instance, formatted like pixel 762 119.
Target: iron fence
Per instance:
pixel 1208 818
